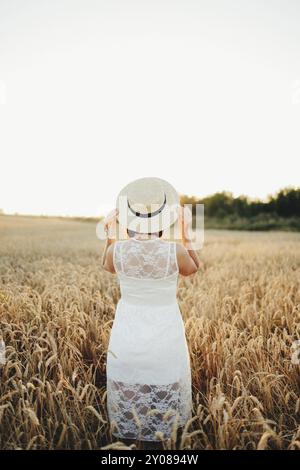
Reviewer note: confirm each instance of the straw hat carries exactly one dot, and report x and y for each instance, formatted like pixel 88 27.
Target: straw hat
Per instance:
pixel 147 205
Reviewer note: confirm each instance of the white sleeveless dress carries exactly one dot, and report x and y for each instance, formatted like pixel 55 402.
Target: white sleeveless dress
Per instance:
pixel 148 363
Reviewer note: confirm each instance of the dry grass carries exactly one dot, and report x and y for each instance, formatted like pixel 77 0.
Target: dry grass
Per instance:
pixel 57 308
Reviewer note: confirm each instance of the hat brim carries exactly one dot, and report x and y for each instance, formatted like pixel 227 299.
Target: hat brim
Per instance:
pixel 155 223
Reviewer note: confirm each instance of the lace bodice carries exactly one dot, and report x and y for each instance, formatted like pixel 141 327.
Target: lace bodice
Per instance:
pixel 145 259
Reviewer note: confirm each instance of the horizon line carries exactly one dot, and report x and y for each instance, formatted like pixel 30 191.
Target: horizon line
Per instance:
pixel 181 195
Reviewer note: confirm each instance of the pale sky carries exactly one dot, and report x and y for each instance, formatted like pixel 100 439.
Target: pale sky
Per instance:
pixel 96 93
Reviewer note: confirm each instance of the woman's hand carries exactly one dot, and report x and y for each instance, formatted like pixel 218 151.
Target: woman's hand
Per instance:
pixel 110 225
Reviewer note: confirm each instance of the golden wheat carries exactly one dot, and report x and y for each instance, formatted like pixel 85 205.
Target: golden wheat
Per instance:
pixel 57 307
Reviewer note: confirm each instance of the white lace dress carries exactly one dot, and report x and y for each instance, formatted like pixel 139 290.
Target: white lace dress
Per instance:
pixel 148 363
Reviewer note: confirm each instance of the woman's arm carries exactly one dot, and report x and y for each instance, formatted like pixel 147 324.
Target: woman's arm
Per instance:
pixel 108 255
pixel 194 256
pixel 185 217
pixel 186 263
pixel 110 229
pixel 108 244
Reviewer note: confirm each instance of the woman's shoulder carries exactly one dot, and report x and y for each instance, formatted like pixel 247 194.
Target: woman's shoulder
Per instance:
pixel 120 245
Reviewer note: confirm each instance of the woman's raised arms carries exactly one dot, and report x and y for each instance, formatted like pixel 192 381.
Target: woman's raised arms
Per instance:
pixel 188 263
pixel 187 259
pixel 108 264
pixel 110 228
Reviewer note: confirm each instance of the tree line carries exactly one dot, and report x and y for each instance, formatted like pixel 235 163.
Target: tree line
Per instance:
pixel 281 209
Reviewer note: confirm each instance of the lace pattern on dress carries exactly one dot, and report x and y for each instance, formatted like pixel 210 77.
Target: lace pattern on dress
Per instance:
pixel 151 259
pixel 139 411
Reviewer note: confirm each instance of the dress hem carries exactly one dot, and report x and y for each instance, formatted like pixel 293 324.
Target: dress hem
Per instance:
pixel 140 439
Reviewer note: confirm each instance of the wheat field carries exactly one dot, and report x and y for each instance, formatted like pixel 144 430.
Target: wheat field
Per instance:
pixel 241 314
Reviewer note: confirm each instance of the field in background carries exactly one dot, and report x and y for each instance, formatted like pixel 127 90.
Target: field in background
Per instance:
pixel 242 315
